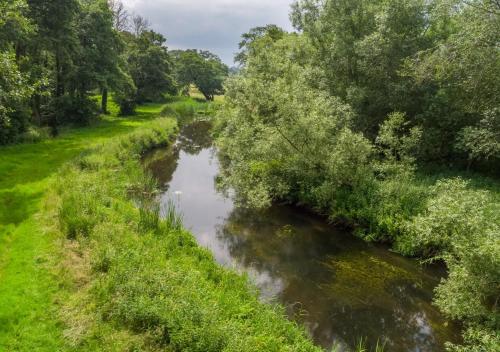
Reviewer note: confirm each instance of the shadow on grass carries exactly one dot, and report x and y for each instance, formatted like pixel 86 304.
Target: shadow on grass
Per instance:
pixel 16 206
pixel 25 168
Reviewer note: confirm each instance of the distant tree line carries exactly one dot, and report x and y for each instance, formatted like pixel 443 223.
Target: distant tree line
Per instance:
pixel 55 55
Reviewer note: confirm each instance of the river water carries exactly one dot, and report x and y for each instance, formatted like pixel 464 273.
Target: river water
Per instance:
pixel 338 287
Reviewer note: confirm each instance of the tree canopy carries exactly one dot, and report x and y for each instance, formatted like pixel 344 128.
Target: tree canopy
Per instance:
pixel 201 68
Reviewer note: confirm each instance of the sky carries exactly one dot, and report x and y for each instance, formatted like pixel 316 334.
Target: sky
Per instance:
pixel 214 25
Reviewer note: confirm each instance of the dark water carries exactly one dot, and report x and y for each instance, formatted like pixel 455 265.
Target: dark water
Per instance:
pixel 339 287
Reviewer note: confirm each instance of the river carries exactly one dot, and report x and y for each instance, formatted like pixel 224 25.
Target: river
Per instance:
pixel 337 286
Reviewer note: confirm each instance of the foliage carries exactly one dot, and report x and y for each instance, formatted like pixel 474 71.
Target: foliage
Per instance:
pixel 464 69
pixel 56 54
pixel 360 48
pixel 272 31
pixel 461 226
pixel 436 61
pixel 13 97
pixel 150 66
pixel 287 131
pixel 297 141
pixel 482 142
pixel 201 68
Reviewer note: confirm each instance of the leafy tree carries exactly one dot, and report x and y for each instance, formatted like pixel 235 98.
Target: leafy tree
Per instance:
pixel 14 96
pixel 201 68
pixel 98 64
pixel 464 70
pixel 280 138
pixel 14 89
pixel 361 47
pixel 272 31
pixel 150 66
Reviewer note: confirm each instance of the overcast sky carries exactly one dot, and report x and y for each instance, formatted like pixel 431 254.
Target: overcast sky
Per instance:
pixel 214 25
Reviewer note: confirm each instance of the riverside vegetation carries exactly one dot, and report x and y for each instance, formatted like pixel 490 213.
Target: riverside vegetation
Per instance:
pixel 127 277
pixel 381 115
pixel 149 285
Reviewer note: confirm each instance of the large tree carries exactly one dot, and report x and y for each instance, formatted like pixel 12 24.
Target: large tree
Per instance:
pixel 150 65
pixel 201 68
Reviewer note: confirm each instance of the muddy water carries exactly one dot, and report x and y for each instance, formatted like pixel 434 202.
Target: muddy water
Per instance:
pixel 339 287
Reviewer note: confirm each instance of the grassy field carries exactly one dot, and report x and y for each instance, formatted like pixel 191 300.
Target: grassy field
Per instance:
pixel 28 319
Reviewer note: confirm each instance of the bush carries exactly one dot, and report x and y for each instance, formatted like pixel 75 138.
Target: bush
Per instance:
pixel 77 110
pixel 461 226
pixel 34 135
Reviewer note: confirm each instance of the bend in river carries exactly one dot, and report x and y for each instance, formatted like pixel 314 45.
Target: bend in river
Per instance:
pixel 339 287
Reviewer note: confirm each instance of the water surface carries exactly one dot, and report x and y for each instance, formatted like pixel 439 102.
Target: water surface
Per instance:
pixel 339 287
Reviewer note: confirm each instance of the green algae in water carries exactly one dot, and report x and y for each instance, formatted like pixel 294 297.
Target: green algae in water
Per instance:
pixel 360 278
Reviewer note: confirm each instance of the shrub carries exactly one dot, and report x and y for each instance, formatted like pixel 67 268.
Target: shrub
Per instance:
pixel 73 109
pixel 461 226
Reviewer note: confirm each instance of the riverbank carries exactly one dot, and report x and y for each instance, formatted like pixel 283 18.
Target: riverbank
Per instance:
pixel 302 151
pixel 27 285
pixel 87 264
pixel 137 279
pixel 337 286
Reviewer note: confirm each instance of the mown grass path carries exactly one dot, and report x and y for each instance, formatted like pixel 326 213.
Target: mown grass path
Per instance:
pixel 28 316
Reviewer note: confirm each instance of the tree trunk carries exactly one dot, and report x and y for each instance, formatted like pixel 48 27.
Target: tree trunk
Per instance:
pixel 59 78
pixel 37 116
pixel 104 101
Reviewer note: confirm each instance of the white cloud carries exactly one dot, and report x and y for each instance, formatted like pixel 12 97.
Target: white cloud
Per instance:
pixel 215 25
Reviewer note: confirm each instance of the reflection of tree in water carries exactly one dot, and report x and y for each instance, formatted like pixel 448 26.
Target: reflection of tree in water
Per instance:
pixel 162 164
pixel 192 139
pixel 345 288
pixel 195 137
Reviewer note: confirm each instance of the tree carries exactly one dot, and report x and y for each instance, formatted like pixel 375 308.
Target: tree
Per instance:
pixel 150 66
pixel 463 67
pixel 281 138
pixel 361 48
pixel 140 25
pixel 271 31
pixel 98 64
pixel 201 68
pixel 121 17
pixel 15 27
pixel 14 97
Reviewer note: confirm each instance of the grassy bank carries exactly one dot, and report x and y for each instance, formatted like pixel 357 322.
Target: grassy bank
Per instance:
pixel 87 264
pixel 28 319
pixel 136 282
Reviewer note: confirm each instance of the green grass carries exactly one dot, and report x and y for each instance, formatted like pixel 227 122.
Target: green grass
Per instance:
pixel 148 286
pixel 27 310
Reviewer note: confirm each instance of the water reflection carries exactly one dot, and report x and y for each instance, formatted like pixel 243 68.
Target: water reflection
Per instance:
pixel 338 287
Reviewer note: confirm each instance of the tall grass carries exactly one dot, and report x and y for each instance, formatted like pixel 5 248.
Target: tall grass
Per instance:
pixel 186 109
pixel 149 286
